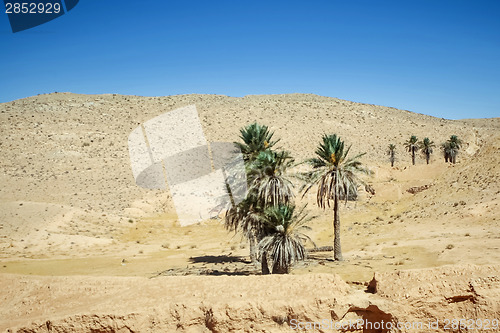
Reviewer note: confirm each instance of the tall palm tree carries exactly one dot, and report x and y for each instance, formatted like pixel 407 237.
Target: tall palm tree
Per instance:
pixel 391 151
pixel 333 172
pixel 412 147
pixel 426 146
pixel 454 146
pixel 285 240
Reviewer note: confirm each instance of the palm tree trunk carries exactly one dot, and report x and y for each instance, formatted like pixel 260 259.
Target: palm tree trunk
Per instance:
pixel 278 269
pixel 265 266
pixel 337 250
pixel 413 157
pixel 253 249
pixel 427 156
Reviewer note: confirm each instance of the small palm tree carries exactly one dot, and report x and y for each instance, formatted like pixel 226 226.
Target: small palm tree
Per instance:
pixel 334 173
pixel 391 151
pixel 256 139
pixel 426 146
pixel 412 147
pixel 454 146
pixel 285 241
pixel 447 151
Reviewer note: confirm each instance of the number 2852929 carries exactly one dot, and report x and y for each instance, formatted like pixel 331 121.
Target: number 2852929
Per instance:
pixel 32 8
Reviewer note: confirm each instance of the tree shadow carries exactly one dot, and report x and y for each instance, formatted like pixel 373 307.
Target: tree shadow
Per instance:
pixel 215 272
pixel 217 266
pixel 222 259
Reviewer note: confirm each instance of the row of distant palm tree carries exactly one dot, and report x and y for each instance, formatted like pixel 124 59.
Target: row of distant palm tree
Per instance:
pixel 268 216
pixel 450 149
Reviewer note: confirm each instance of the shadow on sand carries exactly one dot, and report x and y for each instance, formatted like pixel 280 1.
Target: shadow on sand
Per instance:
pixel 219 259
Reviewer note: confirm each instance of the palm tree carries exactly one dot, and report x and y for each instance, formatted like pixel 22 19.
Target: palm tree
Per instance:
pixel 268 186
pixel 392 153
pixel 454 146
pixel 285 241
pixel 426 146
pixel 412 147
pixel 333 172
pixel 447 151
pixel 256 138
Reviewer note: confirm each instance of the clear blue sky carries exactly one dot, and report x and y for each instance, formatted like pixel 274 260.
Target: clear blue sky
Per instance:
pixel 440 58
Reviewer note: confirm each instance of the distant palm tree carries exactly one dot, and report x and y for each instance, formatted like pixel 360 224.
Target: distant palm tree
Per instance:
pixel 333 172
pixel 426 146
pixel 454 146
pixel 285 241
pixel 446 147
pixel 392 153
pixel 256 139
pixel 412 147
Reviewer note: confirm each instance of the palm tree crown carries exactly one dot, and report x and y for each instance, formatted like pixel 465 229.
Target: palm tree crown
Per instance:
pixel 455 141
pixel 256 138
pixel 333 171
pixel 285 241
pixel 267 178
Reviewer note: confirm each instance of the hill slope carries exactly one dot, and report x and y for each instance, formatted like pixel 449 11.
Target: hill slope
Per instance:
pixel 68 189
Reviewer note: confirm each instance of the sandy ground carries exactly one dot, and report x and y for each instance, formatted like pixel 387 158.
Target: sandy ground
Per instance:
pixel 253 303
pixel 69 205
